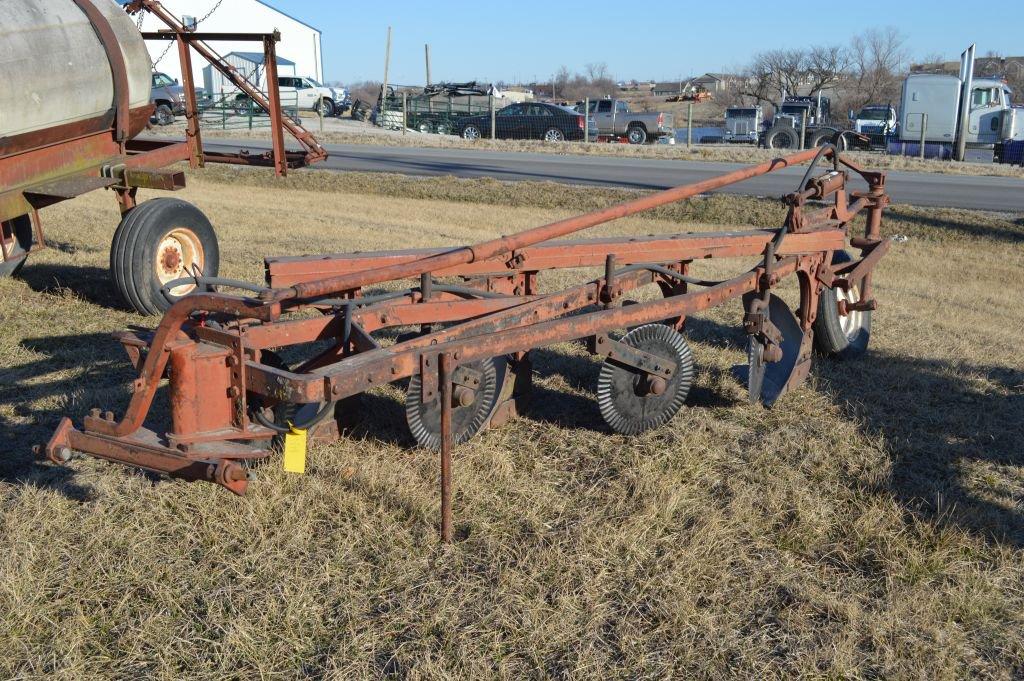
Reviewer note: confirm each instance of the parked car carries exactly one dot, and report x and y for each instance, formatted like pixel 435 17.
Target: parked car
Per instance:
pixel 528 120
pixel 168 98
pixel 615 119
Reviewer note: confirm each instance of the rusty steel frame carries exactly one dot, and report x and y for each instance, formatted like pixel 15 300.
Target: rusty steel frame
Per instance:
pixel 497 310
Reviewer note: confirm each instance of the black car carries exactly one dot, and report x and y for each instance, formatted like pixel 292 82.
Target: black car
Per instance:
pixel 527 121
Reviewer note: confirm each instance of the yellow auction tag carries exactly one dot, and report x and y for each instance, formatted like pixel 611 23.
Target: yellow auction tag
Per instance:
pixel 295 451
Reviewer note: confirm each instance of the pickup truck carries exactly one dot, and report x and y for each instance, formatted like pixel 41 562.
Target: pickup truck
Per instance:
pixel 614 119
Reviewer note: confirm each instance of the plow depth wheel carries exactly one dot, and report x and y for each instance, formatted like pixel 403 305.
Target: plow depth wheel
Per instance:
pixel 627 402
pixel 157 242
pixel 841 335
pixel 472 405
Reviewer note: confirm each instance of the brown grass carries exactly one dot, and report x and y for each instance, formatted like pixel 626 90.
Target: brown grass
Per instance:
pixel 868 526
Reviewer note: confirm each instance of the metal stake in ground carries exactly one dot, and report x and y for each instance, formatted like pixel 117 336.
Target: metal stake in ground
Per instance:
pixel 444 373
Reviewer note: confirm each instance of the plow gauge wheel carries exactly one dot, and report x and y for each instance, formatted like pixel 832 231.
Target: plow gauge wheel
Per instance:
pixel 627 405
pixel 471 411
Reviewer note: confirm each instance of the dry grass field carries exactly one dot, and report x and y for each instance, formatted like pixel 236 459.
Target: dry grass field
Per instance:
pixel 871 525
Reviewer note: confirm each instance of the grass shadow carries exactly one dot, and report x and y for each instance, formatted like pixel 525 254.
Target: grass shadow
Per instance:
pixel 947 425
pixel 35 395
pixel 92 284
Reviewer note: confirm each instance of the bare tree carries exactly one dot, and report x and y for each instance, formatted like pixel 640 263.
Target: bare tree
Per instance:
pixel 824 66
pixel 877 60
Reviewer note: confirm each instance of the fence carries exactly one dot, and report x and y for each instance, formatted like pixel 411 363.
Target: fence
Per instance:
pixel 233 110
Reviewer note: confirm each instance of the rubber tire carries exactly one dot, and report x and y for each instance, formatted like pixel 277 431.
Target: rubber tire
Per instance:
pixel 640 132
pixel 793 135
pixel 480 133
pixel 133 250
pixel 826 136
pixel 560 137
pixel 829 338
pixel 19 247
pixel 162 115
pixel 328 107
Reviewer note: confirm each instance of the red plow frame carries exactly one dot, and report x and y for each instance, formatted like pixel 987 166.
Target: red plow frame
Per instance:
pixel 228 387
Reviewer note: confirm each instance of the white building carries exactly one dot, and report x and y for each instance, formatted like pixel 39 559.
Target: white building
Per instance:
pixel 300 42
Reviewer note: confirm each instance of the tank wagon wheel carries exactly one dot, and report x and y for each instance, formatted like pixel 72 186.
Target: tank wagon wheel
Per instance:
pixel 157 242
pixel 444 128
pixel 17 238
pixel 632 403
pixel 475 396
pixel 837 335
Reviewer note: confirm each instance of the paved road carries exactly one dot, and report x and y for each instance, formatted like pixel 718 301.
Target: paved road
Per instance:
pixel 923 189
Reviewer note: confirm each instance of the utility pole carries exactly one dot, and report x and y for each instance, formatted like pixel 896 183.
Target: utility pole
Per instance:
pixel 426 52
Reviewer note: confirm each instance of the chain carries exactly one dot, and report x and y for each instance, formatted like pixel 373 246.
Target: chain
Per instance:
pixel 171 43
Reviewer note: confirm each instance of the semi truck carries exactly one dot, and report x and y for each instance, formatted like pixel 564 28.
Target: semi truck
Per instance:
pixel 743 124
pixel 877 122
pixel 796 115
pixel 950 114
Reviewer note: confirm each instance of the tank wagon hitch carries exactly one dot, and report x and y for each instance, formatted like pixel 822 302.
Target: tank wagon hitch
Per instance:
pixel 245 371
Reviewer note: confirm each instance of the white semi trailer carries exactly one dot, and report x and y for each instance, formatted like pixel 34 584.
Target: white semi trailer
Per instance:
pixel 952 113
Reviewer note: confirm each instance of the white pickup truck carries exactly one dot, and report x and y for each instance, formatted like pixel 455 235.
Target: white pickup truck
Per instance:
pixel 305 94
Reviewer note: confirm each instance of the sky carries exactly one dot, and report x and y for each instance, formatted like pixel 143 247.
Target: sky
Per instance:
pixel 523 40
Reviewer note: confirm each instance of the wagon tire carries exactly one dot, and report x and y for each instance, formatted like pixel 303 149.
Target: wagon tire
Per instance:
pixel 841 336
pixel 156 242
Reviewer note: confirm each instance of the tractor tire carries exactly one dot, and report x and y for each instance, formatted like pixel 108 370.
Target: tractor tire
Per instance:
pixel 17 236
pixel 841 336
pixel 159 241
pixel 782 137
pixel 637 134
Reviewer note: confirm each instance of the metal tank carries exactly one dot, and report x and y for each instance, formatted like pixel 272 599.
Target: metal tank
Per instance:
pixel 54 68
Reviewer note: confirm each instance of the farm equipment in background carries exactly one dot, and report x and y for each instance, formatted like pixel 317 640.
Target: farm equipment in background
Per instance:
pixel 84 137
pixel 245 371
